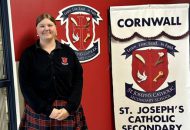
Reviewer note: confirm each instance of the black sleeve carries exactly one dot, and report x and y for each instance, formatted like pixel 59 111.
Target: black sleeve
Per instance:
pixel 77 85
pixel 27 89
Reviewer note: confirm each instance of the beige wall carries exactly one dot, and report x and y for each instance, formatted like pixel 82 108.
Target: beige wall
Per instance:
pixel 21 100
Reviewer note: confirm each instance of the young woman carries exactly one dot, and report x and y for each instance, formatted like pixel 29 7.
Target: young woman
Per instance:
pixel 51 80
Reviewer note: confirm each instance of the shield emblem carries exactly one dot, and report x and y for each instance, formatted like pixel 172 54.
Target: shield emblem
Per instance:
pixel 150 68
pixel 80 30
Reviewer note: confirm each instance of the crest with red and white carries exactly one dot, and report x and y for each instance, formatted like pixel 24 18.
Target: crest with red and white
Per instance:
pixel 64 60
pixel 80 30
pixel 150 68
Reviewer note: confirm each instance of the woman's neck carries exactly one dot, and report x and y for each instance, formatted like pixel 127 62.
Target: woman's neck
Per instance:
pixel 48 45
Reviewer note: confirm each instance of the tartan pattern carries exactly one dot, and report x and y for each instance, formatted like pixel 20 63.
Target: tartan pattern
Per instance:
pixel 34 121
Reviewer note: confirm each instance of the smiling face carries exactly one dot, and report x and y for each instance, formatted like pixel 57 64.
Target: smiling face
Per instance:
pixel 46 30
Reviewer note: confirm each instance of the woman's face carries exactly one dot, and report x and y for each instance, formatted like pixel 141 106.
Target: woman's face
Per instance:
pixel 46 29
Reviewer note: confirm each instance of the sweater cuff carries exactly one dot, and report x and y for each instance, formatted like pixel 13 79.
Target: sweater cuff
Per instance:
pixel 71 107
pixel 48 110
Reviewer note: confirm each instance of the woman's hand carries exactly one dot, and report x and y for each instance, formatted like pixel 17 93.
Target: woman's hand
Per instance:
pixel 63 114
pixel 55 112
pixel 59 114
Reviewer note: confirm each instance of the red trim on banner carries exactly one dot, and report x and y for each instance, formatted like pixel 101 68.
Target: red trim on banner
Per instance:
pixel 163 33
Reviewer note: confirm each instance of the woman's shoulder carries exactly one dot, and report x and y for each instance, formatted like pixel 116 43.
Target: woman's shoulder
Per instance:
pixel 66 47
pixel 68 50
pixel 30 49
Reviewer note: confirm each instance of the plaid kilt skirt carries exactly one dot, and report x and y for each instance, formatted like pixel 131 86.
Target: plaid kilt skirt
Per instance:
pixel 33 121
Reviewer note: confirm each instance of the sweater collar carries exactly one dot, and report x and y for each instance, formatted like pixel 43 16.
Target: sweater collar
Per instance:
pixel 58 45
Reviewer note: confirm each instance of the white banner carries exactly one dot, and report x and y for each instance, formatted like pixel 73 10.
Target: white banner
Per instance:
pixel 150 67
